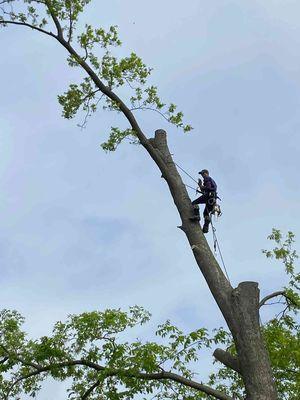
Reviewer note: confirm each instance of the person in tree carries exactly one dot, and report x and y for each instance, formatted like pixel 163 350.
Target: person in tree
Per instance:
pixel 208 188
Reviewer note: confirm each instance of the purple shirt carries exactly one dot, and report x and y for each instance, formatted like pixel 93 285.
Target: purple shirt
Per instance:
pixel 209 184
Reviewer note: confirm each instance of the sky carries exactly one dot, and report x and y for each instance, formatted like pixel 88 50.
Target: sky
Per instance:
pixel 82 230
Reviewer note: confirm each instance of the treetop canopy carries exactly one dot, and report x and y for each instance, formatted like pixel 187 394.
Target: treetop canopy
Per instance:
pixel 93 50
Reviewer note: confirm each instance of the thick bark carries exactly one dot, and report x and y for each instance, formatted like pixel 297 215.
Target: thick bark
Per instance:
pixel 240 306
pixel 253 357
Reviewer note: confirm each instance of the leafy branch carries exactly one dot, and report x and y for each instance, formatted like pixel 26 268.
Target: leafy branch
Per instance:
pixel 104 361
pixel 92 51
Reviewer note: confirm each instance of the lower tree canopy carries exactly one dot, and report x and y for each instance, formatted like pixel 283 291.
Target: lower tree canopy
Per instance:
pixel 93 351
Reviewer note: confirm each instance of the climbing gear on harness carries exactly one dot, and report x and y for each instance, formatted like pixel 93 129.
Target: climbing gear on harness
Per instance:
pixel 211 201
pixel 216 211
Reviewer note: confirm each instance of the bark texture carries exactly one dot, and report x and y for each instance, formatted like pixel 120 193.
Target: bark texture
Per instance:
pixel 253 358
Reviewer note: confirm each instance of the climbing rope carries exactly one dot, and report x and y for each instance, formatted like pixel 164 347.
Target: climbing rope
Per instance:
pixel 190 187
pixel 185 172
pixel 217 246
pixel 190 176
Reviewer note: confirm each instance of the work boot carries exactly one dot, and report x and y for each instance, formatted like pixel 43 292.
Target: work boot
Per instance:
pixel 196 215
pixel 205 228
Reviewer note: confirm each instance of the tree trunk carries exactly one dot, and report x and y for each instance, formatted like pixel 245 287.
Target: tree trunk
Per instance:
pixel 234 304
pixel 239 306
pixel 253 357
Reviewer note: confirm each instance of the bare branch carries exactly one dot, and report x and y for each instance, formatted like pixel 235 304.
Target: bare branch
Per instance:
pixel 36 28
pixel 282 313
pixel 275 294
pixel 189 383
pixel 142 108
pixel 87 105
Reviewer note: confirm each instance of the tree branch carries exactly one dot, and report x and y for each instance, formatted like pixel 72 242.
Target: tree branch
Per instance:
pixel 189 383
pixel 150 109
pixel 90 390
pixel 227 359
pixel 159 376
pixel 55 20
pixel 4 360
pixel 272 295
pixel 36 28
pixel 107 91
pixel 70 24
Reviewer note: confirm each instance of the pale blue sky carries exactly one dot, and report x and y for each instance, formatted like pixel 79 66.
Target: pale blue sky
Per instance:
pixel 81 229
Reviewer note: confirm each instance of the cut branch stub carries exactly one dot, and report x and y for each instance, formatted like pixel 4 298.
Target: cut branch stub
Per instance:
pixel 160 142
pixel 227 359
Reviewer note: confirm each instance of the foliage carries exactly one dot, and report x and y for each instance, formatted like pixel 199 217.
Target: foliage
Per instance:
pixel 91 348
pixel 285 253
pixel 93 49
pixel 94 351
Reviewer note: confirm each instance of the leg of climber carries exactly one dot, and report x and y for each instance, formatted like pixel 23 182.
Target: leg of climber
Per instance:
pixel 206 219
pixel 209 206
pixel 196 215
pixel 201 200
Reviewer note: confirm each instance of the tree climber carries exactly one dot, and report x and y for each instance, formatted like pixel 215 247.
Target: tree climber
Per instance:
pixel 209 195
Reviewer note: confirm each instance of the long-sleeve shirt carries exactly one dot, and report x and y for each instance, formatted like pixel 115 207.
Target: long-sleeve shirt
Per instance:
pixel 209 185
